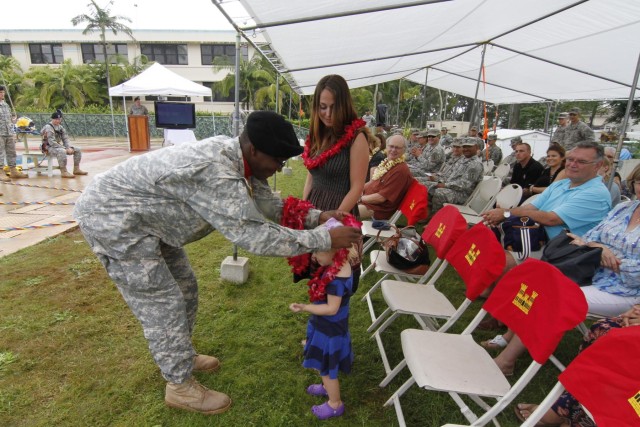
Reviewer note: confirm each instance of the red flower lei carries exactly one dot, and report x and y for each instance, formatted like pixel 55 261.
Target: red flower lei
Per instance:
pixel 322 158
pixel 294 213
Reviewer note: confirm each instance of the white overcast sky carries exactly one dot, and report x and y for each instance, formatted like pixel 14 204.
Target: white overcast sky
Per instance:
pixel 144 14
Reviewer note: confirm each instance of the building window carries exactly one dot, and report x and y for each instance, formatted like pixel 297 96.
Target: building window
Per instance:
pixel 222 54
pixel 46 53
pixel 93 52
pixel 219 98
pixel 166 54
pixel 5 49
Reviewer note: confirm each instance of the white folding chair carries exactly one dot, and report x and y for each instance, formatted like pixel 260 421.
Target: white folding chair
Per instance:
pixel 506 198
pixel 535 300
pixel 482 198
pixel 426 302
pixel 413 207
pixel 530 199
pixel 502 170
pixel 487 166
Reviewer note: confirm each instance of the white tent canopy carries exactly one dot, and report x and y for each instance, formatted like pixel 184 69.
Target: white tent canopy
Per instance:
pixel 535 50
pixel 158 80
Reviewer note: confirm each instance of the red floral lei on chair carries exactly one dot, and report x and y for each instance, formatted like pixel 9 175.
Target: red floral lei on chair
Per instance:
pixel 294 214
pixel 318 161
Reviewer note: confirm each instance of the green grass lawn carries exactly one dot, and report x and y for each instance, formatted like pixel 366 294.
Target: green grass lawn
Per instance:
pixel 72 354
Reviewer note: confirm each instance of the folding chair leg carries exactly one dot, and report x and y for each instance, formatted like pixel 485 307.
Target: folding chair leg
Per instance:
pixel 367 270
pixel 582 328
pixel 464 408
pixel 544 406
pixel 399 367
pixel 395 400
pixel 383 354
pixel 379 320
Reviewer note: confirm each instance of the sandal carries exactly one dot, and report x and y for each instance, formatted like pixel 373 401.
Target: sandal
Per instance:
pixel 317 390
pixel 324 411
pixel 496 343
pixel 527 407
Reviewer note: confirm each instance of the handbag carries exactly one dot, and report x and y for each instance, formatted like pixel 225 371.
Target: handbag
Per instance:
pixel 578 263
pixel 521 234
pixel 407 251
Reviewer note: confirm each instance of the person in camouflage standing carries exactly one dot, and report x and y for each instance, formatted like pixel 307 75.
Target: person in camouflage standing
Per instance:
pixel 445 139
pixel 561 130
pixel 8 139
pixel 138 215
pixel 495 153
pixel 576 131
pixel 57 144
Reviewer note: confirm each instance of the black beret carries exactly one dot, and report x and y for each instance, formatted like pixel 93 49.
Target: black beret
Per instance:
pixel 272 134
pixel 56 115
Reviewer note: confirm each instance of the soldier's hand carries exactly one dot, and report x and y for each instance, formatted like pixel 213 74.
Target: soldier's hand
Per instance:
pixel 339 215
pixel 344 237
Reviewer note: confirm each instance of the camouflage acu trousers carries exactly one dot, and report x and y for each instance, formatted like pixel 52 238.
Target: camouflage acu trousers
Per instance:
pixel 439 196
pixel 163 295
pixel 8 150
pixel 60 153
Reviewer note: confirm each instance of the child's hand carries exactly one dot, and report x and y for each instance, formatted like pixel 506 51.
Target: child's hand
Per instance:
pixel 296 307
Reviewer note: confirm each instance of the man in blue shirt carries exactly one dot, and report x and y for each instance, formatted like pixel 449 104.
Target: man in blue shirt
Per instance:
pixel 578 203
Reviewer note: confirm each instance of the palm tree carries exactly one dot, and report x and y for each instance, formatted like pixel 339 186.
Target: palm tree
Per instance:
pixel 11 75
pixel 253 75
pixel 101 20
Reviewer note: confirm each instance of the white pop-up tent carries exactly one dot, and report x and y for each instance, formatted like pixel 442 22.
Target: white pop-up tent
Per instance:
pixel 159 81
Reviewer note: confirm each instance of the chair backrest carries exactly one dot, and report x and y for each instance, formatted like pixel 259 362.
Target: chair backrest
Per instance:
pixel 446 226
pixel 414 203
pixel 539 304
pixel 487 166
pixel 530 199
pixel 605 378
pixel 509 196
pixel 485 194
pixel 502 170
pixel 478 258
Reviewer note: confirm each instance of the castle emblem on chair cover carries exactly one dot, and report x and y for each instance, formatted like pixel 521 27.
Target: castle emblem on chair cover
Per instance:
pixel 635 403
pixel 440 230
pixel 472 255
pixel 413 204
pixel 523 301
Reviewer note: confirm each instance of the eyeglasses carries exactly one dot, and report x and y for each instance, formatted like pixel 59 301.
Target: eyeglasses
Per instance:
pixel 430 136
pixel 394 147
pixel 580 162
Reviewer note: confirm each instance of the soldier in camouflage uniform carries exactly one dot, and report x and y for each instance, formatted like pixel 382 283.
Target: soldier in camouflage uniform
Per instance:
pixel 576 131
pixel 138 215
pixel 445 139
pixel 8 140
pixel 428 158
pixel 55 138
pixel 561 130
pixel 451 159
pixel 495 153
pixel 462 180
pixel 414 134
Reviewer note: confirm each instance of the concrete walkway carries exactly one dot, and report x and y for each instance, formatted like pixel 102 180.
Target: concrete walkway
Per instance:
pixel 36 222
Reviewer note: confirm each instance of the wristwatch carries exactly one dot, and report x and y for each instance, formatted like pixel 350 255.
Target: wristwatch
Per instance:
pixel 506 214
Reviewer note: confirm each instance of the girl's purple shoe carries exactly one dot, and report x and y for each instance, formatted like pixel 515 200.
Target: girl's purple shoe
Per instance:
pixel 324 411
pixel 317 390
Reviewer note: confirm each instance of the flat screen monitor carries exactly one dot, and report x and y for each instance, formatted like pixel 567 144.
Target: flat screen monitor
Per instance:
pixel 175 115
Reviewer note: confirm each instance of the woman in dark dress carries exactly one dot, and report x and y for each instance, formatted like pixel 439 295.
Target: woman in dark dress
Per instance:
pixel 377 147
pixel 336 152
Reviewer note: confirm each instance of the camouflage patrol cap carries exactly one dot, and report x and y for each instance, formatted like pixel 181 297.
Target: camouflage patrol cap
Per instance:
pixel 516 140
pixel 473 128
pixel 563 115
pixel 272 134
pixel 492 136
pixel 469 141
pixel 415 131
pixel 574 110
pixel 457 142
pixel 433 132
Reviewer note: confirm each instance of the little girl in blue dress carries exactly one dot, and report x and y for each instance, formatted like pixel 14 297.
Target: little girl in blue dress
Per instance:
pixel 328 344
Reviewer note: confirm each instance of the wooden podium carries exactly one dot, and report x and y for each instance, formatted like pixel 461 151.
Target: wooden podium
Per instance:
pixel 139 133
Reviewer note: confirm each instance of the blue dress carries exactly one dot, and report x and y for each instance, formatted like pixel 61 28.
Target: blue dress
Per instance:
pixel 328 348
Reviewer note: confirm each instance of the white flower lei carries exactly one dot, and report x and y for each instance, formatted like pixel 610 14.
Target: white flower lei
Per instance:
pixel 385 166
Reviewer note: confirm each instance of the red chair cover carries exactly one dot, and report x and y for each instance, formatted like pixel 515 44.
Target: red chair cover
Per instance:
pixel 414 204
pixel 539 304
pixel 605 378
pixel 446 226
pixel 478 258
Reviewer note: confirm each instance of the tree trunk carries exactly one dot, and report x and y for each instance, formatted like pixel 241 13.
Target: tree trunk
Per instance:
pixel 514 116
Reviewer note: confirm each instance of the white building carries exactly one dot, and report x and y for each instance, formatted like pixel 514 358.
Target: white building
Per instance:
pixel 186 52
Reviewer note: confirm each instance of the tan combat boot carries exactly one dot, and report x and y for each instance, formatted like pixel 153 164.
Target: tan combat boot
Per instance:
pixel 193 396
pixel 204 363
pixel 65 174
pixel 78 171
pixel 16 174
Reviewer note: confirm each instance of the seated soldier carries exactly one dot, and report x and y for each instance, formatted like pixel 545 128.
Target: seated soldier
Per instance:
pixel 429 157
pixel 389 183
pixel 492 152
pixel 461 180
pixel 56 143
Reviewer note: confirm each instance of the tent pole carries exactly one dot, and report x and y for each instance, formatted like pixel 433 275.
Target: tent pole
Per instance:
pixel 475 97
pixel 277 92
pixel 623 131
pixel 546 117
pixel 236 120
pixel 126 124
pixel 375 101
pixel 398 103
pixel 424 98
